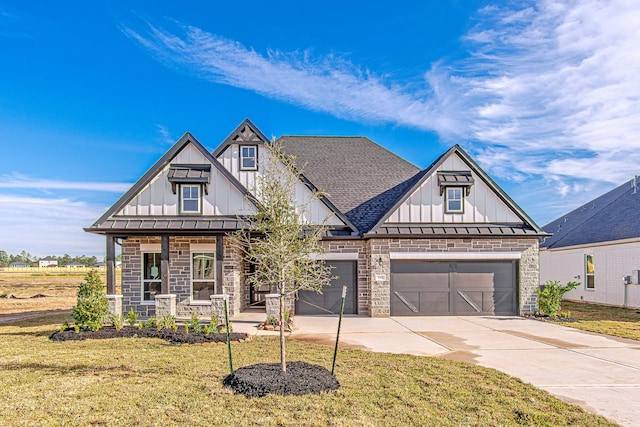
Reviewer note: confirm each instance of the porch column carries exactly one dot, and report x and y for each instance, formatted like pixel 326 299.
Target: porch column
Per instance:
pixel 164 265
pixel 111 265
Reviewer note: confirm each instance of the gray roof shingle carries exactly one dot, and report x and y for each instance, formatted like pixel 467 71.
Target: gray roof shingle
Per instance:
pixel 613 216
pixel 361 178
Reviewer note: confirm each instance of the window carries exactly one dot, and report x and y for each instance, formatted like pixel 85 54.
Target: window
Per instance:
pixel 203 275
pixel 151 280
pixel 590 272
pixel 453 200
pixel 248 157
pixel 190 198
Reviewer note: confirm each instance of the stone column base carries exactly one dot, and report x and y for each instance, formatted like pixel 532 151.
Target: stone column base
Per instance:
pixel 165 305
pixel 272 305
pixel 217 307
pixel 115 304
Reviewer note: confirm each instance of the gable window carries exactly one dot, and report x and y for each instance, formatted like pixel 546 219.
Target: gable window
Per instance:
pixel 590 272
pixel 203 276
pixel 248 157
pixel 454 200
pixel 190 198
pixel 151 277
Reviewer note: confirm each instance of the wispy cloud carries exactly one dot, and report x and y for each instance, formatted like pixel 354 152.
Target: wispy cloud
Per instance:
pixel 48 226
pixel 165 135
pixel 548 93
pixel 22 181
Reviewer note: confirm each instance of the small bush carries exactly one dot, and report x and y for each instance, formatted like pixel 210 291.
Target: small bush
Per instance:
pixel 117 321
pixel 212 327
pixel 271 320
pixel 132 317
pixel 64 326
pixel 550 296
pixel 168 322
pixel 151 322
pixel 194 324
pixel 92 305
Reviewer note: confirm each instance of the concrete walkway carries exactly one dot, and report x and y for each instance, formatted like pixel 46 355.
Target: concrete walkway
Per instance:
pixel 597 372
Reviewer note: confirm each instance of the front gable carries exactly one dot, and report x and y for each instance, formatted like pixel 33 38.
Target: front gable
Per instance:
pixel 156 193
pixel 235 155
pixel 481 201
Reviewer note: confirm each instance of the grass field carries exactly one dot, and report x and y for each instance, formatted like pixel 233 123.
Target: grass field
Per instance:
pixel 59 290
pixel 150 382
pixel 616 321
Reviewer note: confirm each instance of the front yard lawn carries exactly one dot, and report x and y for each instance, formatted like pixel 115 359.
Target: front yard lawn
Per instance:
pixel 134 381
pixel 616 321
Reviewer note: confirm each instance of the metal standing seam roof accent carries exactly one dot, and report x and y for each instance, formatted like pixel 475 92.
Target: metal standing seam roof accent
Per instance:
pixel 212 224
pixel 462 178
pixel 466 230
pixel 189 173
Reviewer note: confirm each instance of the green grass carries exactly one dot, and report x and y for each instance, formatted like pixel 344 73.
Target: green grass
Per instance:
pixel 150 382
pixel 616 321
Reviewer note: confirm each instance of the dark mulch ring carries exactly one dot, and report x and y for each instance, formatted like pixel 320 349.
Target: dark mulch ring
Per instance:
pixel 547 318
pixel 267 378
pixel 175 337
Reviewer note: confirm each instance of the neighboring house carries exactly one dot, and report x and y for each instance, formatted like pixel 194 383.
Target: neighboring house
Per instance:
pixel 445 240
pixel 75 265
pixel 598 245
pixel 48 261
pixel 18 264
pixel 99 264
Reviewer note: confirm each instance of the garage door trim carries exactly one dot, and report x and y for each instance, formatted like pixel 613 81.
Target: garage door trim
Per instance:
pixel 453 256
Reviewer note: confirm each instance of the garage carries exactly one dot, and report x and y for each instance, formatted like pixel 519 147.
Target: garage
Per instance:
pixel 310 302
pixel 441 288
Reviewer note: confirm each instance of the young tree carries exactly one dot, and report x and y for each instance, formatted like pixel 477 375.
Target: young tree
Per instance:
pixel 92 305
pixel 278 242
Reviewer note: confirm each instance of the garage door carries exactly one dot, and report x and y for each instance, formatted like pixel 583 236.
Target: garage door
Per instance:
pixel 453 288
pixel 328 302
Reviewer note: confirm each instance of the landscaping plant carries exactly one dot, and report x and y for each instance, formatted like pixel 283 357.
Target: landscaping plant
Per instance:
pixel 132 317
pixel 117 321
pixel 92 305
pixel 285 250
pixel 168 322
pixel 194 324
pixel 550 296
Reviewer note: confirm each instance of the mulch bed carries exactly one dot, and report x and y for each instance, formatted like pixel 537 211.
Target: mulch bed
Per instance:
pixel 267 378
pixel 547 318
pixel 175 337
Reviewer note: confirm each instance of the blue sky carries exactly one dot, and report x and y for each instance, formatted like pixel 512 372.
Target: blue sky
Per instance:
pixel 545 95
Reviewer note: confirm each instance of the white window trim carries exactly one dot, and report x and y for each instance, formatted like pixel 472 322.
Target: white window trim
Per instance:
pixel 147 249
pixel 446 200
pixel 254 157
pixel 181 199
pixel 198 248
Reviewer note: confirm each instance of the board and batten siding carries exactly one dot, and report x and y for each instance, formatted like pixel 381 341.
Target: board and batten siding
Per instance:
pixel 426 205
pixel 314 212
pixel 157 198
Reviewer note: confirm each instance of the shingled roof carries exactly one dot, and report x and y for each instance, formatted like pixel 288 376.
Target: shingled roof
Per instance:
pixel 612 216
pixel 362 179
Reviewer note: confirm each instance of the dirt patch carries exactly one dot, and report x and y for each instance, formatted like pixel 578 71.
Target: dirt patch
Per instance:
pixel 460 356
pixel 267 378
pixel 546 340
pixel 451 342
pixel 17 317
pixel 175 337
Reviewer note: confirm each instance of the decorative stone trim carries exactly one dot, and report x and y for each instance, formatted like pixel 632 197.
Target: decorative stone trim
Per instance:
pixel 165 305
pixel 272 305
pixel 115 304
pixel 217 307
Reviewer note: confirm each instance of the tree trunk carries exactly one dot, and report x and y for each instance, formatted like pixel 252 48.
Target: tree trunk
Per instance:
pixel 283 363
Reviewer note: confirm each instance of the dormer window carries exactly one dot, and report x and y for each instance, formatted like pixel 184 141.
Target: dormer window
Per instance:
pixel 248 157
pixel 190 200
pixel 454 200
pixel 454 185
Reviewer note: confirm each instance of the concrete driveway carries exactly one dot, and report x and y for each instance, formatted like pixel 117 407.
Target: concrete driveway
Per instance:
pixel 598 372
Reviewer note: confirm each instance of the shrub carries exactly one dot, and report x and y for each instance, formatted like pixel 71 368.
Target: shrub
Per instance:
pixel 212 327
pixel 132 317
pixel 271 320
pixel 194 324
pixel 117 321
pixel 151 322
pixel 92 306
pixel 550 296
pixel 64 326
pixel 168 322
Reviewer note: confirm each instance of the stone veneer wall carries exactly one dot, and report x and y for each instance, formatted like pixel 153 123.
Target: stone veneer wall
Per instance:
pixel 180 276
pixel 529 271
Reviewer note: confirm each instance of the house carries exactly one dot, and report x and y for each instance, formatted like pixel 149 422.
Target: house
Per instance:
pixel 598 245
pixel 18 264
pixel 48 261
pixel 445 240
pixel 75 264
